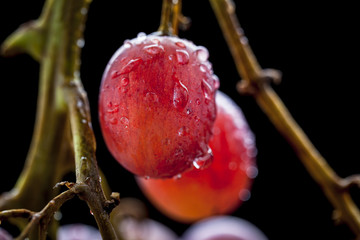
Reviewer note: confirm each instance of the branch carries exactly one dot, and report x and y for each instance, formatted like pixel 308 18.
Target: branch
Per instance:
pixel 15 213
pixel 256 82
pixel 87 172
pixel 44 217
pixel 170 17
pixel 61 98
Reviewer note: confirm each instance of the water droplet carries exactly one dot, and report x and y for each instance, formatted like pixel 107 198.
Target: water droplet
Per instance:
pixel 203 68
pixel 154 49
pixel 216 81
pixel 244 40
pixel 84 120
pixel 183 131
pixel 188 111
pixel 83 11
pixel 76 74
pixel 91 213
pixel 113 120
pixel 80 43
pixel 124 81
pixel 127 44
pixel 124 121
pixel 252 172
pixel 141 36
pixel 244 195
pixel 197 119
pixel 147 177
pixel 207 90
pixel 180 44
pixel 182 57
pixel 177 177
pixel 131 65
pixel 202 54
pixel 197 101
pixel 233 166
pixel 204 161
pixel 181 95
pixel 155 40
pixel 100 179
pixel 115 74
pixel 252 152
pixel 57 215
pixel 151 97
pixel 166 141
pixel 113 110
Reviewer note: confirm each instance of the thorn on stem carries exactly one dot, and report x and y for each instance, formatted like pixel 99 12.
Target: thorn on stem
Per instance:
pixel 184 22
pixel 64 183
pixel 348 182
pixel 251 86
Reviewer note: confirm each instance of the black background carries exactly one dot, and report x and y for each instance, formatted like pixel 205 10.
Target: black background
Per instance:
pixel 316 48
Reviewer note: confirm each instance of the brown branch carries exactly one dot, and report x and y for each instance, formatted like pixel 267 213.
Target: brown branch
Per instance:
pixel 170 17
pixel 15 213
pixel 256 82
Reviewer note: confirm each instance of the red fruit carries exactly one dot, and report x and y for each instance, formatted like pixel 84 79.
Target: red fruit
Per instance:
pixel 157 105
pixel 224 228
pixel 222 186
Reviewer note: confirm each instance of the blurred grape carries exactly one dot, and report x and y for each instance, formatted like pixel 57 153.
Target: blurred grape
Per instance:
pixel 223 228
pixel 78 232
pixel 146 229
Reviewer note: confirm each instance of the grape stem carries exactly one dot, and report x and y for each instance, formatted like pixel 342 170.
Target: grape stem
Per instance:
pixel 170 17
pixel 256 81
pixel 63 130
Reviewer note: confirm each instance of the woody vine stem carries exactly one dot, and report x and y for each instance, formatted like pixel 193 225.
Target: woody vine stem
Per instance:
pixel 256 82
pixel 63 137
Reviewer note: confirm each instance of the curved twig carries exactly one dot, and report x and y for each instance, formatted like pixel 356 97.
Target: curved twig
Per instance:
pixel 256 82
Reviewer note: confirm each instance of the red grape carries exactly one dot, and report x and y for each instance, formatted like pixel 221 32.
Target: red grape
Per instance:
pixel 222 186
pixel 157 105
pixel 224 228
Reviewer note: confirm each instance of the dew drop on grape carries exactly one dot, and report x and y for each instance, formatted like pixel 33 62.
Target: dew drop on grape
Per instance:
pixel 202 54
pixel 127 44
pixel 180 44
pixel 182 57
pixel 183 131
pixel 181 96
pixel 141 36
pixel 125 122
pixel 153 49
pixel 131 65
pixel 124 81
pixel 244 195
pixel 203 161
pixel 207 90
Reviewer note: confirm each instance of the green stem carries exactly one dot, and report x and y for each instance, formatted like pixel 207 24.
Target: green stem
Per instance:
pixel 62 100
pixel 255 82
pixel 48 144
